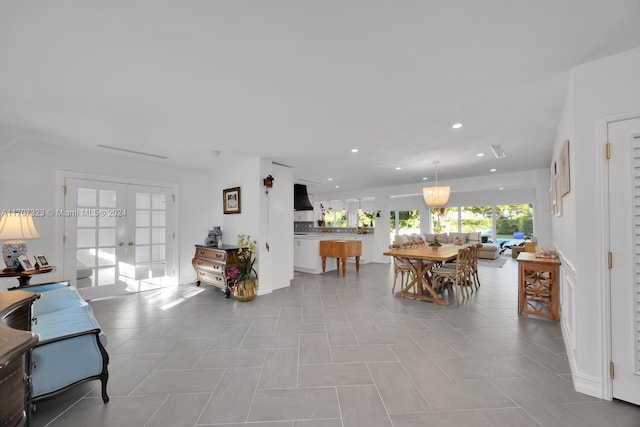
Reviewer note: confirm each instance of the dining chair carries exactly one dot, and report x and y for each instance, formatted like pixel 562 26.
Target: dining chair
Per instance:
pixel 401 268
pixel 457 277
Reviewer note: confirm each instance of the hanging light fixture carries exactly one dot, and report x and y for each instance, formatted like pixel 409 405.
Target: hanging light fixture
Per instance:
pixel 436 195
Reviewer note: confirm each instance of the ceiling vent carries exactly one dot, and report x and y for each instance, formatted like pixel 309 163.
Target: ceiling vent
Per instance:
pixel 498 151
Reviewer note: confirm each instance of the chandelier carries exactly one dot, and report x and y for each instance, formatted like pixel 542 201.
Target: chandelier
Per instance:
pixel 436 195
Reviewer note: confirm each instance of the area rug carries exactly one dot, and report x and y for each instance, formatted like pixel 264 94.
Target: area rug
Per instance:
pixel 495 263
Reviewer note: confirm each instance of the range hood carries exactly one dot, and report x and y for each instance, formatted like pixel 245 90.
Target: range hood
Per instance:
pixel 301 198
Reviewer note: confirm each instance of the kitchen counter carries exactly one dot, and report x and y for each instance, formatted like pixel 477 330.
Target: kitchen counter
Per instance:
pixel 306 250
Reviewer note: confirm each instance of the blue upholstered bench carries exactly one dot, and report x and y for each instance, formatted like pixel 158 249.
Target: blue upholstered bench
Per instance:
pixel 71 346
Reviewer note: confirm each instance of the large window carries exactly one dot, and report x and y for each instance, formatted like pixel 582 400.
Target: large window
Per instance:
pixel 444 220
pixel 476 218
pixel 511 219
pixel 404 222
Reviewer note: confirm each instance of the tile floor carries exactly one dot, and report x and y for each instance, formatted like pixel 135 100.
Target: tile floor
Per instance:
pixel 332 352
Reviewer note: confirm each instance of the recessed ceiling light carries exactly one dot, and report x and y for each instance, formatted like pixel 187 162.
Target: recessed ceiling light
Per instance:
pixel 480 155
pixel 354 150
pixel 337 186
pixel 457 125
pixel 329 179
pixel 492 170
pixel 501 188
pixel 398 168
pixel 425 178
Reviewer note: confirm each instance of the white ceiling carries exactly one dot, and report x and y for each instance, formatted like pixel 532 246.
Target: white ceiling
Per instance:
pixel 301 82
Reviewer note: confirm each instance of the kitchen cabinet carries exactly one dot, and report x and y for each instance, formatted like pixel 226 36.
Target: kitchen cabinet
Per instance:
pixel 306 254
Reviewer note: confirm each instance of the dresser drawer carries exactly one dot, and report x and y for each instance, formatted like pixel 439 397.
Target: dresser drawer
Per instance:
pixel 207 265
pixel 211 278
pixel 212 254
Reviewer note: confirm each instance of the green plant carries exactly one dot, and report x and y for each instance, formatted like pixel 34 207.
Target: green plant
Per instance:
pixel 246 258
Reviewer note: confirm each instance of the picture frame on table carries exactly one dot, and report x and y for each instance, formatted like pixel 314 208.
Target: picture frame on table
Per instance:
pixel 42 262
pixel 25 263
pixel 231 200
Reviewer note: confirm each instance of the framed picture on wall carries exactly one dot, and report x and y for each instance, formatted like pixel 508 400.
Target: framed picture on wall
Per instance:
pixel 552 188
pixel 231 200
pixel 563 170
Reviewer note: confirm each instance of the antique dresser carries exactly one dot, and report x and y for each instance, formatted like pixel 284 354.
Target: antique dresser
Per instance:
pixel 212 263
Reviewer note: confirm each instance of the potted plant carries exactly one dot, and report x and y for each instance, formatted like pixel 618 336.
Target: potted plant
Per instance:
pixel 243 279
pixel 435 243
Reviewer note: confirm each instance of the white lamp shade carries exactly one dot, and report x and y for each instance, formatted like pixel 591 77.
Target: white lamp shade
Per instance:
pixel 17 227
pixel 437 195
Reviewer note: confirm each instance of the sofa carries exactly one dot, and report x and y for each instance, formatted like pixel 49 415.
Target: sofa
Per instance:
pixel 486 251
pixel 71 346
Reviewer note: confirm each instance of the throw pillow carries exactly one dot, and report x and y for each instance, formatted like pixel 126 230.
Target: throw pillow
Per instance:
pixel 459 240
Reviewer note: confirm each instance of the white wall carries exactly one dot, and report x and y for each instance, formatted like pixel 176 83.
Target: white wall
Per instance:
pixel 275 266
pixel 601 89
pixel 28 180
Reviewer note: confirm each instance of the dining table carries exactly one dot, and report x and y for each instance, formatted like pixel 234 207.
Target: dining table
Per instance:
pixel 421 259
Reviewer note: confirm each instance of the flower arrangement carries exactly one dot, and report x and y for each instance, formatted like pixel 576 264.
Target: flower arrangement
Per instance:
pixel 238 276
pixel 435 242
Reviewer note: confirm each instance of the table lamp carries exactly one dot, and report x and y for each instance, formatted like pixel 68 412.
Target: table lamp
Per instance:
pixel 13 229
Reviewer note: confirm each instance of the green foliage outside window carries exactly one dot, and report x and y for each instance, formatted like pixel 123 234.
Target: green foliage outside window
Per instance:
pixel 476 218
pixel 512 218
pixel 366 219
pixel 335 218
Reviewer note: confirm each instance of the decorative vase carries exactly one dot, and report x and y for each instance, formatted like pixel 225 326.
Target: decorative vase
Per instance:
pixel 214 238
pixel 245 290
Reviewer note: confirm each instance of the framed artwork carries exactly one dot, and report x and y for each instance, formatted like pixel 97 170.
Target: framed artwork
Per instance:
pixel 25 263
pixel 552 188
pixel 41 261
pixel 563 170
pixel 231 200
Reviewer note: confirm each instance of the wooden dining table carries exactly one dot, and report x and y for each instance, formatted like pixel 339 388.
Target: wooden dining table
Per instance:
pixel 421 260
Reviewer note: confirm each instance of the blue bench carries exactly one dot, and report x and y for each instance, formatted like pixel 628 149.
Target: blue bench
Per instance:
pixel 71 347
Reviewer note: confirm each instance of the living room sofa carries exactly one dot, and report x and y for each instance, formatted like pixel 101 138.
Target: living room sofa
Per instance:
pixel 71 346
pixel 486 251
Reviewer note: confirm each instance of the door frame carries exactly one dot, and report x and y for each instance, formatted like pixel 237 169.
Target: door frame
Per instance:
pixel 61 175
pixel 605 294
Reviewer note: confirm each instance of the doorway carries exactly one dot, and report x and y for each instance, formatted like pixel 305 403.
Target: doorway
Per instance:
pixel 119 237
pixel 624 244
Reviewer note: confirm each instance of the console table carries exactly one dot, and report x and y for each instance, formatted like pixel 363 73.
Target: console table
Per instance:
pixel 24 276
pixel 538 286
pixel 340 250
pixel 211 265
pixel 16 342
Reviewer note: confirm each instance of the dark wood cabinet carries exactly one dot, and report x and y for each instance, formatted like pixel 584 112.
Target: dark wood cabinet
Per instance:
pixel 212 263
pixel 16 341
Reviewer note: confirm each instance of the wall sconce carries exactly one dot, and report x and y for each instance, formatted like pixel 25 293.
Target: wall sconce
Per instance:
pixel 378 214
pixel 268 182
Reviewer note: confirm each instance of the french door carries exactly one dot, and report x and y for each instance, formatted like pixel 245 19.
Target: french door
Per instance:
pixel 121 235
pixel 624 232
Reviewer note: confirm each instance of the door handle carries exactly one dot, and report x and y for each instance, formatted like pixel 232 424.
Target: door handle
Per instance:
pixel 121 244
pixel 130 243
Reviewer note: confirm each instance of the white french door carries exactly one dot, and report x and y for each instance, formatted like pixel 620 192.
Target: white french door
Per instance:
pixel 624 233
pixel 122 234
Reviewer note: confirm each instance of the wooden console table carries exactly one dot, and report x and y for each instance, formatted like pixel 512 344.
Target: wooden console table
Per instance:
pixel 24 276
pixel 538 286
pixel 340 250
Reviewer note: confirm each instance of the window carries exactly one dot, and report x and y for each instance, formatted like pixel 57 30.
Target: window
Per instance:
pixel 513 218
pixel 476 218
pixel 403 222
pixel 444 220
pixel 366 219
pixel 334 218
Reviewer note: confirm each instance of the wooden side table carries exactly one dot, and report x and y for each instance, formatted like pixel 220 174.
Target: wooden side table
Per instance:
pixel 538 286
pixel 25 276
